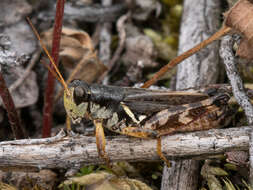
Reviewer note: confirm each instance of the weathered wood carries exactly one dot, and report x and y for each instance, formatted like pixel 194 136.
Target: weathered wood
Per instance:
pixel 230 62
pixel 105 38
pixel 87 13
pixel 200 20
pixel 251 159
pixel 64 152
pixel 177 171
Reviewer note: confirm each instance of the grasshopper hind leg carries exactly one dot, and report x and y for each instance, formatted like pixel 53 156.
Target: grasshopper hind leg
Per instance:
pixel 159 152
pixel 131 131
pixel 147 133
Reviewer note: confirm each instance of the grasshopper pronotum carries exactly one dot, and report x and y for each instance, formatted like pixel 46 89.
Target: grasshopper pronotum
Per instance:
pixel 141 113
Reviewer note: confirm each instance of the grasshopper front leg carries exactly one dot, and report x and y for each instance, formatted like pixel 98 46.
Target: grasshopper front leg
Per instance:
pixel 101 142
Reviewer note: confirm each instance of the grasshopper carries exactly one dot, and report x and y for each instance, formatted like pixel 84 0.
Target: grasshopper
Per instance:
pixel 144 113
pixel 141 113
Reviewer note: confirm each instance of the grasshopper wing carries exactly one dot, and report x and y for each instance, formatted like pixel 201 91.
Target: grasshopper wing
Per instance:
pixel 145 101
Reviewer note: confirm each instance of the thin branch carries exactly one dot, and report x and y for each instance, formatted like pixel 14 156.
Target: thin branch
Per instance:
pixel 229 60
pixel 97 13
pixel 65 152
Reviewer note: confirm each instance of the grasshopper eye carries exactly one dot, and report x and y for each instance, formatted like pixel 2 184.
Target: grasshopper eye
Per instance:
pixel 79 91
pixel 80 95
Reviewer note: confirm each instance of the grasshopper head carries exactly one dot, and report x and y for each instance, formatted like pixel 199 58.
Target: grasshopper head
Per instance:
pixel 76 97
pixel 76 104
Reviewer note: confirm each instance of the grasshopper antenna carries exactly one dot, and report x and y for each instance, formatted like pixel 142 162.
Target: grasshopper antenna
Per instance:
pixel 56 72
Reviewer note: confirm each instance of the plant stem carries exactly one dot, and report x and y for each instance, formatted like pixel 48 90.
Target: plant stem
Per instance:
pixel 49 94
pixel 11 110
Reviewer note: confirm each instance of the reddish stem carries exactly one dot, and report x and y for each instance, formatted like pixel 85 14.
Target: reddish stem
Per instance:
pixel 11 110
pixel 49 94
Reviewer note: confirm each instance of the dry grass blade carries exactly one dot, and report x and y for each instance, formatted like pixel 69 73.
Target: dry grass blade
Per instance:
pixel 185 55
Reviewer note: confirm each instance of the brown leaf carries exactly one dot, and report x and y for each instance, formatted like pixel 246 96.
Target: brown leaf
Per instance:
pixel 77 54
pixel 240 18
pixel 245 49
pixel 106 181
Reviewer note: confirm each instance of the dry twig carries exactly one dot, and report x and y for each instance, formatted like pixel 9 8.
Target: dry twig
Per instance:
pixel 229 60
pixel 65 152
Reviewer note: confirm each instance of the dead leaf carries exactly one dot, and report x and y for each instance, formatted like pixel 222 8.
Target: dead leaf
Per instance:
pixel 240 18
pixel 107 181
pixel 77 54
pixel 245 50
